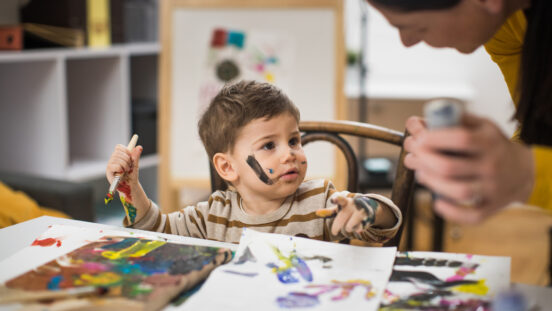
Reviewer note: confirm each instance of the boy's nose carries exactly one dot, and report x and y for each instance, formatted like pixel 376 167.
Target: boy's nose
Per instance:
pixel 289 154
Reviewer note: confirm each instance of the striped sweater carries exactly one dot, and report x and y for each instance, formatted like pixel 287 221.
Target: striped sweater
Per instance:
pixel 221 218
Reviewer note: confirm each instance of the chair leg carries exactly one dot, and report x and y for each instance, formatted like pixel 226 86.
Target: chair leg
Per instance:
pixel 438 229
pixel 410 223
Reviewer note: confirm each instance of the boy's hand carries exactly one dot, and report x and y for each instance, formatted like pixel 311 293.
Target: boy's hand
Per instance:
pixel 124 161
pixel 352 214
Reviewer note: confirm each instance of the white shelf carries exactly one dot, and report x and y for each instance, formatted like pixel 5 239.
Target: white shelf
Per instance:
pixel 82 170
pixel 64 110
pixel 85 52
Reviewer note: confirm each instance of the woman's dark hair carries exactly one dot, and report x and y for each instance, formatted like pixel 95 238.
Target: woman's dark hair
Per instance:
pixel 415 5
pixel 534 110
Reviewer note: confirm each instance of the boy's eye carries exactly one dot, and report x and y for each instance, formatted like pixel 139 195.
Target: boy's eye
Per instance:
pixel 268 146
pixel 294 141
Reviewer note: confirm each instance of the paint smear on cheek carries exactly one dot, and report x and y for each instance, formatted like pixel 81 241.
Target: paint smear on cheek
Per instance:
pixel 258 169
pixel 47 242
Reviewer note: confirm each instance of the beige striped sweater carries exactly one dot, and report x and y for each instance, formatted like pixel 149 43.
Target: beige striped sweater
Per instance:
pixel 221 218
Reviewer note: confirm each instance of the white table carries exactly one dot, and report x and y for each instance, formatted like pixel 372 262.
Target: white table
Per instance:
pixel 16 237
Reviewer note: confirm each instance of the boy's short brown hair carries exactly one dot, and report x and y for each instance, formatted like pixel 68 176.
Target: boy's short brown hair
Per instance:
pixel 234 107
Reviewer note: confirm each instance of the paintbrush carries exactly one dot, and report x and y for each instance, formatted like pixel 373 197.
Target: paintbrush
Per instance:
pixel 9 295
pixel 117 179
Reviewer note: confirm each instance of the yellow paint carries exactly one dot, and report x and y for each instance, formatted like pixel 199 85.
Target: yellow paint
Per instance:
pixel 325 212
pixel 284 259
pixel 478 288
pixel 101 279
pixel 269 77
pixel 138 249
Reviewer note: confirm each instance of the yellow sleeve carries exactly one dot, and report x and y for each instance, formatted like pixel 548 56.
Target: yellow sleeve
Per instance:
pixel 505 49
pixel 542 194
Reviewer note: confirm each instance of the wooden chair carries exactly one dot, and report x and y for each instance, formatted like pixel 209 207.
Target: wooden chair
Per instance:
pixel 331 131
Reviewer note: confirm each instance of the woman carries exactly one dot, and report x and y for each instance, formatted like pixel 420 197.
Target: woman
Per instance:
pixel 494 170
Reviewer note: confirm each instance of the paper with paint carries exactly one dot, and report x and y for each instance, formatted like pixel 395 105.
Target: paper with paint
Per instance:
pixel 445 281
pixel 274 272
pixel 135 271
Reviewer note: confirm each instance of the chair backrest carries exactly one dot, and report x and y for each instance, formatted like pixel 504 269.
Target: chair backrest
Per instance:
pixel 331 131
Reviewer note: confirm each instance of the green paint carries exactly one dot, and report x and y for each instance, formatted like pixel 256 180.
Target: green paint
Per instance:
pixel 138 249
pixel 130 210
pixel 140 289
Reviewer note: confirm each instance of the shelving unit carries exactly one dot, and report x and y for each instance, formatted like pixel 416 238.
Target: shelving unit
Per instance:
pixel 64 110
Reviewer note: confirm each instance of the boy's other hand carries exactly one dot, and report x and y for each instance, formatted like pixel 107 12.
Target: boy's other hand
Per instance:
pixel 348 215
pixel 124 161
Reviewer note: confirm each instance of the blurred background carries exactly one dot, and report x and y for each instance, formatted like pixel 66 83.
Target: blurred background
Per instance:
pixel 78 77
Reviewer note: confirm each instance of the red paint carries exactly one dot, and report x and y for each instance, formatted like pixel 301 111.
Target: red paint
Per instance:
pixel 47 242
pixel 125 189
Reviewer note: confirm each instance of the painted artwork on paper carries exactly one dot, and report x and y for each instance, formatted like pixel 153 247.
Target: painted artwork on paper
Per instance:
pixel 445 281
pixel 236 54
pixel 131 270
pixel 276 272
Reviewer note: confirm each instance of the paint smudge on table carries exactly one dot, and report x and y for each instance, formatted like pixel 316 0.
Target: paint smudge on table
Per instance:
pixel 47 242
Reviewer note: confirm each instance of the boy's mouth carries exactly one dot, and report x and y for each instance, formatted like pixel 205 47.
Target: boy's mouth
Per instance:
pixel 290 174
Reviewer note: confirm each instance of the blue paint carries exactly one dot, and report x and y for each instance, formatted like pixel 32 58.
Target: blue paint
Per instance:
pixel 298 300
pixel 54 282
pixel 236 38
pixel 270 170
pixel 128 268
pixel 127 242
pixel 302 268
pixel 247 274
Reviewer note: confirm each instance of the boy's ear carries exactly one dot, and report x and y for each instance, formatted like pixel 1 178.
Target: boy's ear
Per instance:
pixel 224 167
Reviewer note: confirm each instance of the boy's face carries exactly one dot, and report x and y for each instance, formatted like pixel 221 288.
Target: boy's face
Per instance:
pixel 276 145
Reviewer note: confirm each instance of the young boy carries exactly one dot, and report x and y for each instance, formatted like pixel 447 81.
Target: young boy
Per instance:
pixel 250 132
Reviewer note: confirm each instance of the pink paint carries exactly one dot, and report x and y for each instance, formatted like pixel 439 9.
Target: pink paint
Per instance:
pixel 93 267
pixel 125 189
pixel 47 242
pixel 461 273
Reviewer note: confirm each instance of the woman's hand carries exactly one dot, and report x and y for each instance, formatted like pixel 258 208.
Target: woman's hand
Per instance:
pixel 474 168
